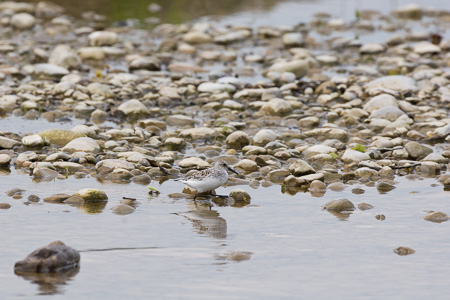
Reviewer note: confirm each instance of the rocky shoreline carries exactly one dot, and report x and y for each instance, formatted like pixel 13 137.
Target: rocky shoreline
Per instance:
pixel 279 104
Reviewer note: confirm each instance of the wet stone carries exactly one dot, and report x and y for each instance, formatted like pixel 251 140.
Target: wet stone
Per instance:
pixel 317 188
pixel 5 206
pixel 436 217
pixel 108 165
pixel 380 217
pixel 339 205
pixel 45 174
pixel 366 172
pixel 384 187
pixel 53 258
pixel 365 206
pixel 277 176
pixel 417 150
pixel 358 191
pixel 15 192
pixel 57 198
pixel 301 167
pixel 33 198
pixel 292 181
pixel 74 200
pixel 120 174
pixel 404 251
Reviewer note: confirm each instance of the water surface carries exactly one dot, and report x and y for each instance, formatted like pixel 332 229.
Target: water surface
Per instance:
pixel 288 247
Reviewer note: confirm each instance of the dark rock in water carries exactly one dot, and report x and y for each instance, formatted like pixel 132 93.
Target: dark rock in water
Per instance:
pixel 384 187
pixel 365 206
pixel 33 198
pixel 404 251
pixel 436 217
pixel 5 206
pixel 53 258
pixel 14 192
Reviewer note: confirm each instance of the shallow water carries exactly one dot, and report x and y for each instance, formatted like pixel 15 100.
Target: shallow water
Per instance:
pixel 178 248
pixel 174 248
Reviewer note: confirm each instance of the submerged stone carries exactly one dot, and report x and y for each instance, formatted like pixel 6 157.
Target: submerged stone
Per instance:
pixel 123 209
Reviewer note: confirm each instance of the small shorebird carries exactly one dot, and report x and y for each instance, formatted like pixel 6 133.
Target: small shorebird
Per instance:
pixel 208 179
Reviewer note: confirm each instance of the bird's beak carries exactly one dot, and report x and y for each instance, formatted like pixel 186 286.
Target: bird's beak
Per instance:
pixel 232 170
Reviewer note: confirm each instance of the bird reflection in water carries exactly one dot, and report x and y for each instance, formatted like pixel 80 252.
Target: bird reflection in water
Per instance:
pixel 206 220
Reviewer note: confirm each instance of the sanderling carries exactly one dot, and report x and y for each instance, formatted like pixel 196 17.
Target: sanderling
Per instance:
pixel 208 179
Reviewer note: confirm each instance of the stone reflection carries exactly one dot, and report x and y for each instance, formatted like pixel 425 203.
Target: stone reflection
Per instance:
pixel 293 190
pixel 49 283
pixel 91 208
pixel 4 171
pixel 206 220
pixel 341 215
pixel 237 256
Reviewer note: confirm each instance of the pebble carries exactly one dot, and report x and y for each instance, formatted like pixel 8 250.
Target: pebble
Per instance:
pixel 436 217
pixel 384 187
pixel 404 251
pixel 339 205
pixel 5 206
pixel 317 188
pixel 300 167
pixel 365 206
pixel 5 160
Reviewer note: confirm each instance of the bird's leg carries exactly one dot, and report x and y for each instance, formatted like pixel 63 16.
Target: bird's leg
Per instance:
pixel 195 196
pixel 220 196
